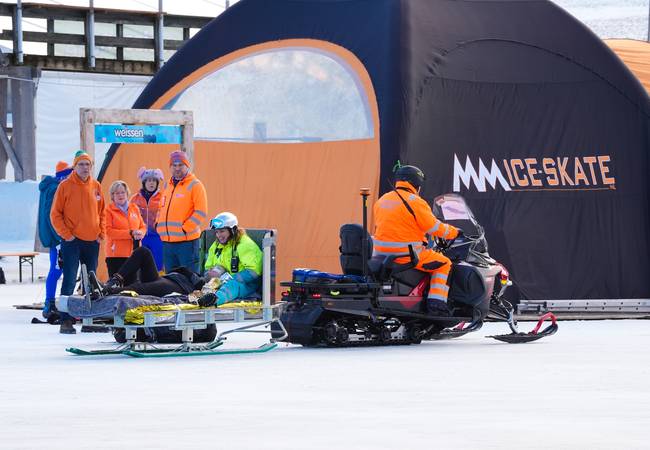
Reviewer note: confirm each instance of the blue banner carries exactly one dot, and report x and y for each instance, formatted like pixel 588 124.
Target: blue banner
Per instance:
pixel 138 134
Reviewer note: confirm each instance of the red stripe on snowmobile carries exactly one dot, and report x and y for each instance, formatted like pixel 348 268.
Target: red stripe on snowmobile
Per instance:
pixel 418 291
pixel 548 315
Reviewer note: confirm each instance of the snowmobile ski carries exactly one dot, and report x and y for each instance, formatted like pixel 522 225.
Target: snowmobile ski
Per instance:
pixel 517 337
pixel 459 330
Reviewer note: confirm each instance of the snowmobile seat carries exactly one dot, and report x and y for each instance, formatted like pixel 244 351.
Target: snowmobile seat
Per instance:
pixel 380 267
pixel 352 236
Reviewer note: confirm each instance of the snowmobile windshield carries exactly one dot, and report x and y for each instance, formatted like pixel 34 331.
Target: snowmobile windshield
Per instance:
pixel 452 209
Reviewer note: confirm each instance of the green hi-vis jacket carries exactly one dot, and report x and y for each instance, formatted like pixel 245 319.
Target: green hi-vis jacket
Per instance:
pixel 250 255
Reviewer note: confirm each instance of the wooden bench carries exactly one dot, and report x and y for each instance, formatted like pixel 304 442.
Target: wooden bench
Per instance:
pixel 23 258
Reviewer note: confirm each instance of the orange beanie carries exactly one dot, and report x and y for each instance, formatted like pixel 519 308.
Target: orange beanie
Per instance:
pixel 79 156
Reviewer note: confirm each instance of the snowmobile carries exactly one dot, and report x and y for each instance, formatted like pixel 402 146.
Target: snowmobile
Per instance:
pixel 377 301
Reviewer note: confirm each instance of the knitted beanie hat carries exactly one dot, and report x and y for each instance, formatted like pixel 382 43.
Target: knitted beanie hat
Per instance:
pixel 145 174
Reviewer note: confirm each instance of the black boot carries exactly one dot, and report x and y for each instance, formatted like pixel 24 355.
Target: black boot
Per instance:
pixel 96 287
pixel 114 284
pixel 437 308
pixel 207 300
pixel 66 327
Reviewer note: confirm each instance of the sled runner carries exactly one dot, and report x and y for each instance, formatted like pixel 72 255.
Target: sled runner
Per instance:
pixel 187 322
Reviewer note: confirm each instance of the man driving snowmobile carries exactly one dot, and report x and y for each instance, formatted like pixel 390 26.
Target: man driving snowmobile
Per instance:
pixel 403 218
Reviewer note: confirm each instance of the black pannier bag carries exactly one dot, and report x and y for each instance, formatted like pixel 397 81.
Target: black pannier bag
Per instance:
pixel 351 235
pixel 466 287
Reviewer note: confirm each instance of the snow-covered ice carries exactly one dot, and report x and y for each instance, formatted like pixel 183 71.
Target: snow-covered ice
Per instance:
pixel 584 388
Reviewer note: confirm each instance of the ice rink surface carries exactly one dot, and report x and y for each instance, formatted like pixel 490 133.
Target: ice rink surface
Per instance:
pixel 587 387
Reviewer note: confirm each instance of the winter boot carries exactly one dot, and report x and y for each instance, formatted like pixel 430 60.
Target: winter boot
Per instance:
pixel 48 307
pixel 66 327
pixel 114 284
pixel 50 313
pixel 437 307
pixel 96 287
pixel 207 300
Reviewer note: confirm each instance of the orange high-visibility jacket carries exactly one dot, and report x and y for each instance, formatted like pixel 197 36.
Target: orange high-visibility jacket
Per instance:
pixel 183 209
pixel 78 209
pixel 119 240
pixel 148 210
pixel 396 228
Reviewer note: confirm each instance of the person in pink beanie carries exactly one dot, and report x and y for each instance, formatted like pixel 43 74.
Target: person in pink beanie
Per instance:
pixel 148 200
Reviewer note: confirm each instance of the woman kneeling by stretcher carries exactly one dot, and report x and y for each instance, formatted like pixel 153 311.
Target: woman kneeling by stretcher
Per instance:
pixel 234 259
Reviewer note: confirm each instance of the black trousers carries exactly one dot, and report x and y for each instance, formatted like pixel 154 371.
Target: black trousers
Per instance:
pixel 113 264
pixel 151 283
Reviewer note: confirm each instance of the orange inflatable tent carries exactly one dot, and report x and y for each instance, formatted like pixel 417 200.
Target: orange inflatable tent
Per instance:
pixel 635 55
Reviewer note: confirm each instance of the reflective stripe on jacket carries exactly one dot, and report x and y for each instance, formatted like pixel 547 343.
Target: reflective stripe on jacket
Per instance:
pixel 250 255
pixel 119 225
pixel 183 209
pixel 396 228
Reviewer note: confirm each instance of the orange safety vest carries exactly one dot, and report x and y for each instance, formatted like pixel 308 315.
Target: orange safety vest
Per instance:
pixel 396 227
pixel 183 209
pixel 119 241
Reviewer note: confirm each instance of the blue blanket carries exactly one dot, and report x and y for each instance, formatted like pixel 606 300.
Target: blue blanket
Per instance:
pixel 116 305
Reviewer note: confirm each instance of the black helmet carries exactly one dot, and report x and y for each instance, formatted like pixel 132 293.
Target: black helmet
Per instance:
pixel 411 174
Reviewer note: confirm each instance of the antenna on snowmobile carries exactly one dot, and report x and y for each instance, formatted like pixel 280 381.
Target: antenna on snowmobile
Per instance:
pixel 365 192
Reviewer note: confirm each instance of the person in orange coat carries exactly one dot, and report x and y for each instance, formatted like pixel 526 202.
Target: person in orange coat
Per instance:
pixel 184 208
pixel 124 227
pixel 77 215
pixel 402 217
pixel 148 200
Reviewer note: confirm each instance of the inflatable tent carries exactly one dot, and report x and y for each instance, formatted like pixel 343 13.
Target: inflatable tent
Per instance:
pixel 514 104
pixel 635 55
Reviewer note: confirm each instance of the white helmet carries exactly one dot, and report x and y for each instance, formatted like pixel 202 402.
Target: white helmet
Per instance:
pixel 224 220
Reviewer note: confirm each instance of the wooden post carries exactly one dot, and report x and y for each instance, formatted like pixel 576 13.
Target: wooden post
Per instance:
pixel 90 36
pixel 17 27
pixel 23 135
pixel 159 28
pixel 119 32
pixel 50 29
pixel 87 130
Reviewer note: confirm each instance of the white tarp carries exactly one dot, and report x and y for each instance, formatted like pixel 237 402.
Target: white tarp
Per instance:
pixel 58 98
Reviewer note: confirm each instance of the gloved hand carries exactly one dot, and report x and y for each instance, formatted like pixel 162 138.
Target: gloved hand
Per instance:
pixel 461 233
pixel 207 300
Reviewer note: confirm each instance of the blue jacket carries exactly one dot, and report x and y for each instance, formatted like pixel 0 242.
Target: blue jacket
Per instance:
pixel 46 233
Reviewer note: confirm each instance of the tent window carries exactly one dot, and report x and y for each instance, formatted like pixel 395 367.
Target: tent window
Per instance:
pixel 285 95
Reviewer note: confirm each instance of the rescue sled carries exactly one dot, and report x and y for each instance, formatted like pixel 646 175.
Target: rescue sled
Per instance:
pixel 187 322
pixel 376 301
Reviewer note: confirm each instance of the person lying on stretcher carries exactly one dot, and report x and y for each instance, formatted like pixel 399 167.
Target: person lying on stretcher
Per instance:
pixel 233 267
